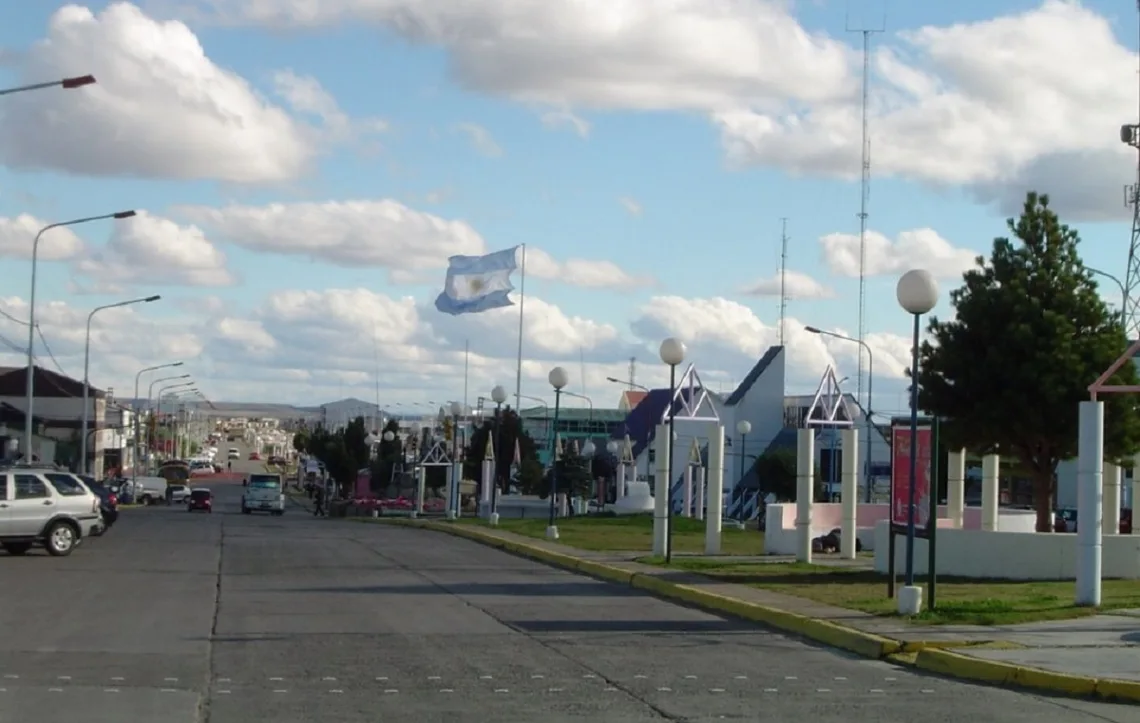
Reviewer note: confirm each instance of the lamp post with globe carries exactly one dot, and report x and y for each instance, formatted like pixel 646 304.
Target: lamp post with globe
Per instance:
pixel 587 454
pixel 498 396
pixel 743 428
pixel 558 379
pixel 454 498
pixel 672 353
pixel 917 294
pixel 619 469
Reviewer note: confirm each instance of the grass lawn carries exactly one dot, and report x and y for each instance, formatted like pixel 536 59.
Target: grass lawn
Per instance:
pixel 959 601
pixel 632 533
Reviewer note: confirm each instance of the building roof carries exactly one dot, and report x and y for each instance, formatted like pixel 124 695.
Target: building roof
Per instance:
pixel 642 421
pixel 633 397
pixel 753 376
pixel 573 413
pixel 47 384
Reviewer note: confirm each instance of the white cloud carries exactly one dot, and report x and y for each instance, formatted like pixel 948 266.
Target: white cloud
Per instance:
pixel 564 119
pixel 631 205
pixel 590 274
pixel 161 107
pixel 480 138
pixel 381 233
pixel 564 54
pixel 794 285
pixel 18 234
pixel 153 250
pixel 918 249
pixel 305 95
pixel 951 106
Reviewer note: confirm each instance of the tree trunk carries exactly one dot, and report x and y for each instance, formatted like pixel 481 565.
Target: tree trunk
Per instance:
pixel 1043 500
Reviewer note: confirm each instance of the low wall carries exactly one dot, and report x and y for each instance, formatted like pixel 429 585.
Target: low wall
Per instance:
pixel 1011 555
pixel 780 523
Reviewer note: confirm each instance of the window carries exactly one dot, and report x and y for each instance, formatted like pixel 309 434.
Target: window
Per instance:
pixel 66 485
pixel 30 487
pixel 3 487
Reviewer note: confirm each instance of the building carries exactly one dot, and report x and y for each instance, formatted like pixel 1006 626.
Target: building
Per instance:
pixel 575 425
pixel 630 398
pixel 773 418
pixel 58 418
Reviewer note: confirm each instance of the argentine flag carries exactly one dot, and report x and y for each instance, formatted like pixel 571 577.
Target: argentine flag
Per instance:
pixel 478 283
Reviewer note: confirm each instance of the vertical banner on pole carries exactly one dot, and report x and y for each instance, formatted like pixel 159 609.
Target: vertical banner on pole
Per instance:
pixel 900 477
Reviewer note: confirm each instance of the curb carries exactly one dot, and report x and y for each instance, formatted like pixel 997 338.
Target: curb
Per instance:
pixel 931 656
pixel 995 672
pixel 822 631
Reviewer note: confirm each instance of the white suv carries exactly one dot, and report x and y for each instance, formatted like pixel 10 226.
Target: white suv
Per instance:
pixel 43 505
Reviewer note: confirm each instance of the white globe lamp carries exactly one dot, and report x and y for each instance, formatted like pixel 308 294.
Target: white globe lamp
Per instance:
pixel 672 351
pixel 498 394
pixel 743 427
pixel 589 449
pixel 558 378
pixel 389 436
pixel 917 291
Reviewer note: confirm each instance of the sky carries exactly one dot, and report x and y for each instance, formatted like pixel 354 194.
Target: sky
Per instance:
pixel 302 171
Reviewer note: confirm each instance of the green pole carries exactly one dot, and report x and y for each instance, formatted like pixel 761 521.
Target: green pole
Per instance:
pixel 932 525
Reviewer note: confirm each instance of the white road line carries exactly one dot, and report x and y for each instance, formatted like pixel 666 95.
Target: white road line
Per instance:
pixel 110 690
pixel 926 690
pixel 167 690
pixel 554 690
pixel 664 690
pixel 890 680
pixel 589 676
pixel 790 677
pixel 740 677
pixel 55 690
pixel 220 680
pixel 716 690
pixel 271 680
pixel 280 690
pixel 537 677
pixel 63 677
pixel 434 677
pixel 771 690
pixel 486 677
pixel 823 690
pixel 690 677
pixel 840 677
pixel 336 690
pixel 502 690
pixel 876 690
pixel 381 678
pixel 391 691
pixel 223 692
pixel 329 679
pixel 639 676
pixel 446 690
pixel 11 676
pixel 118 678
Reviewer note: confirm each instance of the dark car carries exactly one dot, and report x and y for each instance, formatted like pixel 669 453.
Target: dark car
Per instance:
pixel 108 499
pixel 200 499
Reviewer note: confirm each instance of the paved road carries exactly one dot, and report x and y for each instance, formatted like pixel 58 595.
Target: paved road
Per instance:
pixel 177 617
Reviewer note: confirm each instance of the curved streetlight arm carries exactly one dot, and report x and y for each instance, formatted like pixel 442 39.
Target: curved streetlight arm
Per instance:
pixel 626 383
pixel 135 414
pixel 30 383
pixel 582 396
pixel 87 371
pixel 1123 293
pixel 66 83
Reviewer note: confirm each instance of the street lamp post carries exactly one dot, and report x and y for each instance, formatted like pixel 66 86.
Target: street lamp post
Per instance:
pixel 626 383
pixel 546 415
pixel 65 83
pixel 151 409
pixel 1123 293
pixel 176 400
pixel 743 427
pixel 454 498
pixel 498 396
pixel 917 294
pixel 29 383
pixel 137 407
pixel 870 398
pixel 672 353
pixel 558 379
pixel 87 370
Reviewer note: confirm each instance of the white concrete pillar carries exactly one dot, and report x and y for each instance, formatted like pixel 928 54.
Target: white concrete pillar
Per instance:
pixel 452 487
pixel 699 512
pixel 1135 493
pixel 956 487
pixel 991 465
pixel 661 489
pixel 715 492
pixel 1090 487
pixel 488 482
pixel 687 500
pixel 849 491
pixel 805 489
pixel 1110 518
pixel 421 488
pixel 620 492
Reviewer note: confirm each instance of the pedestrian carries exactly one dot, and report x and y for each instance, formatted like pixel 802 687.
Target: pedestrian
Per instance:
pixel 319 503
pixel 230 466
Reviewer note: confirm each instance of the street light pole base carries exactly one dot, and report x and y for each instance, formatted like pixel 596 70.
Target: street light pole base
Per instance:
pixel 910 600
pixel 552 532
pixel 451 514
pixel 494 519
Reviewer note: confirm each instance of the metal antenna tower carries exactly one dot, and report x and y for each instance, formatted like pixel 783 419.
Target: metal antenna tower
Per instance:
pixel 1130 135
pixel 865 190
pixel 784 275
pixel 633 366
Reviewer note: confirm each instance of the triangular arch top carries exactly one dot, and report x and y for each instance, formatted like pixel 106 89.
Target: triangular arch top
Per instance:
pixel 691 400
pixel 436 456
pixel 829 405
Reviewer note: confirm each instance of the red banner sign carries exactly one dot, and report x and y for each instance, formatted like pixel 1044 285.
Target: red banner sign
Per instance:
pixel 900 477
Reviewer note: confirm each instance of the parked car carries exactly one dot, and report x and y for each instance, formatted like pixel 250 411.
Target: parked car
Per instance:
pixel 45 506
pixel 200 499
pixel 254 457
pixel 108 500
pixel 177 494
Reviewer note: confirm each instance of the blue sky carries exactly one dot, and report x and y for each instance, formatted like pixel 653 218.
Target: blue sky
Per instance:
pixel 709 215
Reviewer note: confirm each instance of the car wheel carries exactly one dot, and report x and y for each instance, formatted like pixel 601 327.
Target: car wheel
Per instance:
pixel 245 510
pixel 60 539
pixel 17 548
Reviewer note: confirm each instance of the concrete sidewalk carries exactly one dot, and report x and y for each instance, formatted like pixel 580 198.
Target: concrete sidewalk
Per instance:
pixel 1093 656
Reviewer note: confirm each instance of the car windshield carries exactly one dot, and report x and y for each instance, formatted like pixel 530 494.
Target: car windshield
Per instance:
pixel 264 482
pixel 200 494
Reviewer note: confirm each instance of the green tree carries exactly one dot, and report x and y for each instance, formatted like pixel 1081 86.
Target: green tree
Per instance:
pixel 301 441
pixel 389 454
pixel 530 477
pixel 1030 334
pixel 574 477
pixel 510 431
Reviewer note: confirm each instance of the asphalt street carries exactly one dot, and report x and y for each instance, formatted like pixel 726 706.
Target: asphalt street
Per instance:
pixel 176 617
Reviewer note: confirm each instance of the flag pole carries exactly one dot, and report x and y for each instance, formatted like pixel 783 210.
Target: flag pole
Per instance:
pixel 466 366
pixel 522 305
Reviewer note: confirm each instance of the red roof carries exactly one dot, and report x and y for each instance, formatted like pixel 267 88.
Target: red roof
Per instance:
pixel 633 398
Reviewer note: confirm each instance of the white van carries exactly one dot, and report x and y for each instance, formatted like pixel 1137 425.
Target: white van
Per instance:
pixel 148 490
pixel 234 453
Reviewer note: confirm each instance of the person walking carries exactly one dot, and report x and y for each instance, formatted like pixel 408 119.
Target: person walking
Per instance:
pixel 319 503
